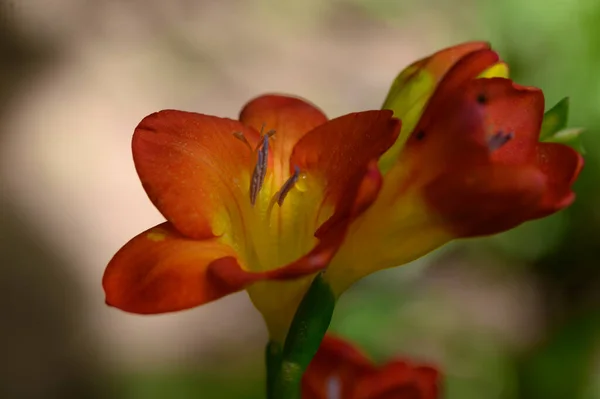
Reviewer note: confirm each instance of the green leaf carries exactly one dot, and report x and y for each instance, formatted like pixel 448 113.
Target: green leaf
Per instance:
pixel 555 119
pixel 570 137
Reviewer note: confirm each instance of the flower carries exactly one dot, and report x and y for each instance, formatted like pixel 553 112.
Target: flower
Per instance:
pixel 268 197
pixel 283 193
pixel 467 163
pixel 340 371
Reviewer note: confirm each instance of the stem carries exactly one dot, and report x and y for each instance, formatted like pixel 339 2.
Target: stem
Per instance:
pixel 273 357
pixel 304 337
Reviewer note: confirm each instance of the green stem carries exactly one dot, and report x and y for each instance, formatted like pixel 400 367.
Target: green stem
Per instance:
pixel 273 357
pixel 306 332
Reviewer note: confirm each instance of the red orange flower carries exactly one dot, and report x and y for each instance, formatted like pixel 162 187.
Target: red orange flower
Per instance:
pixel 340 371
pixel 467 163
pixel 283 193
pixel 268 197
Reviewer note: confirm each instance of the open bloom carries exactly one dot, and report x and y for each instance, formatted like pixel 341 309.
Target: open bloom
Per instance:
pixel 340 371
pixel 284 193
pixel 268 197
pixel 467 163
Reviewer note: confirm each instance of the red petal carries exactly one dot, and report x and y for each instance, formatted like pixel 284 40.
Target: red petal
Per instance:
pixel 486 199
pixel 561 165
pixel 451 131
pixel 400 380
pixel 509 108
pixel 189 164
pixel 290 117
pixel 343 154
pixel 465 70
pixel 335 362
pixel 162 271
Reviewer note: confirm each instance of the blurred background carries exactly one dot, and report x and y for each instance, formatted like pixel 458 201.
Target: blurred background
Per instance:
pixel 513 316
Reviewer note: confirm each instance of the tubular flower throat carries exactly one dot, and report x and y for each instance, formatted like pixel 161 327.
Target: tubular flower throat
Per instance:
pixel 340 371
pixel 468 162
pixel 267 197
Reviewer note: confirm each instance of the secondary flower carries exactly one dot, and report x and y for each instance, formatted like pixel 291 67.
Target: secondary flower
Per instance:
pixel 268 197
pixel 467 163
pixel 340 371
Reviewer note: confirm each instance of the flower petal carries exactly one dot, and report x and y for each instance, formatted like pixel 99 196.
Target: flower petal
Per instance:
pixel 512 109
pixel 336 366
pixel 487 199
pixel 161 270
pixel 400 380
pixel 339 370
pixel 561 165
pixel 341 155
pixel 498 70
pixel 194 169
pixel 449 139
pixel 291 118
pixel 341 179
pixel 414 86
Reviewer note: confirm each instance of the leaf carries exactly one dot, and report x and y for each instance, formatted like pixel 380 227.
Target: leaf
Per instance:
pixel 555 119
pixel 570 137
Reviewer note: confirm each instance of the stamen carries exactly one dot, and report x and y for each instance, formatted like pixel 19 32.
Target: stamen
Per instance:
pixel 498 139
pixel 240 136
pixel 260 170
pixel 287 186
pixel 269 134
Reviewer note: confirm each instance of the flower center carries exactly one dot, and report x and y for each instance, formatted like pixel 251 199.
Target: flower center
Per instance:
pixel 275 234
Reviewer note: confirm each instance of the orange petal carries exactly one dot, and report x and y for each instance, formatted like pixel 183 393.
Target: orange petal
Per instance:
pixel 561 165
pixel 436 66
pixel 191 166
pixel 414 86
pixel 336 366
pixel 485 199
pixel 161 270
pixel 290 117
pixel 510 109
pixel 452 129
pixel 486 120
pixel 343 155
pixel 465 70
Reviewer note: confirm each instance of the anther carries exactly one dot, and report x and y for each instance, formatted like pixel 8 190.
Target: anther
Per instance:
pixel 267 135
pixel 240 136
pixel 287 186
pixel 498 139
pixel 260 170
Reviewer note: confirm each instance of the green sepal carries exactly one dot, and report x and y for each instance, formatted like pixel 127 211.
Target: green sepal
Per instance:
pixel 555 119
pixel 304 337
pixel 570 136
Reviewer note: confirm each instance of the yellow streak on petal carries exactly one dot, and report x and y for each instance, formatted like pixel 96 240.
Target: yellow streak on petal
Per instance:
pixel 407 98
pixel 398 228
pixel 156 235
pixel 499 70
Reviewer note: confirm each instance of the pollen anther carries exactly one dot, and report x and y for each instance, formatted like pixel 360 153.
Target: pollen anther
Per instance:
pixel 260 170
pixel 498 139
pixel 287 186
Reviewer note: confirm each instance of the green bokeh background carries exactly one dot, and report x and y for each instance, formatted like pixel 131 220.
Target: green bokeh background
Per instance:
pixel 439 310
